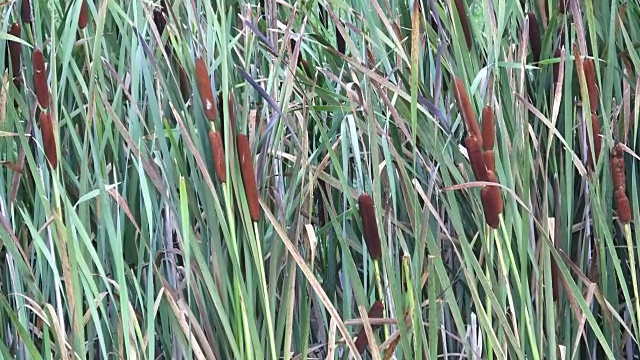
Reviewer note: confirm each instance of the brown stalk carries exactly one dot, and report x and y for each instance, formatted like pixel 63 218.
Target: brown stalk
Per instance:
pixel 464 22
pixel 204 88
pixel 40 79
pixel 217 151
pixel 370 226
pixel 25 12
pixel 15 53
pixel 375 312
pixel 83 18
pixel 466 109
pixel 48 139
pixel 476 158
pixel 248 176
pixel 534 36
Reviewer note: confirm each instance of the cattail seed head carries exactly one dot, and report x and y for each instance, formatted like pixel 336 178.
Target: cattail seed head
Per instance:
pixel 476 158
pixel 534 36
pixel 159 19
pixel 491 204
pixel 618 168
pixel 488 129
pixel 204 88
pixel 15 54
pixel 490 160
pixel 25 12
pixel 376 312
pixel 185 87
pixel 597 141
pixel 83 18
pixel 464 22
pixel 590 78
pixel 48 139
pixel 248 176
pixel 40 79
pixel 341 45
pixel 370 226
pixel 466 109
pixel 217 151
pixel 623 206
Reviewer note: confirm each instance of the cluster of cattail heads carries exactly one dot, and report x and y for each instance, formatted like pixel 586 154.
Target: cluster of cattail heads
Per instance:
pixel 376 312
pixel 480 144
pixel 248 176
pixel 619 184
pixel 370 226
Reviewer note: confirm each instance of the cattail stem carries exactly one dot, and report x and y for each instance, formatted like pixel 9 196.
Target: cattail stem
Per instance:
pixel 248 176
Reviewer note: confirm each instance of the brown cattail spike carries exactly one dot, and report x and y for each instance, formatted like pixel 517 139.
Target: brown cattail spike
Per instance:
pixel 204 88
pixel 476 158
pixel 492 201
pixel 488 129
pixel 490 160
pixel 15 54
pixel 25 12
pixel 464 22
pixel 40 79
pixel 597 141
pixel 590 77
pixel 83 18
pixel 375 312
pixel 534 36
pixel 466 109
pixel 623 206
pixel 184 82
pixel 217 151
pixel 248 176
pixel 619 184
pixel 48 139
pixel 370 226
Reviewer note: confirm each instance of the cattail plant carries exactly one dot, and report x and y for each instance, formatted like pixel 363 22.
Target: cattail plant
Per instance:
pixel 204 89
pixel 184 82
pixel 248 176
pixel 15 55
pixel 534 36
pixel 597 142
pixel 376 312
pixel 464 22
pixel 40 79
pixel 370 226
pixel 25 12
pixel 476 158
pixel 217 151
pixel 83 18
pixel 48 139
pixel 488 138
pixel 466 109
pixel 492 204
pixel 159 19
pixel 619 184
pixel 590 77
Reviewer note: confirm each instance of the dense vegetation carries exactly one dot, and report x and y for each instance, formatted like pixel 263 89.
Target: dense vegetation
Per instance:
pixel 385 179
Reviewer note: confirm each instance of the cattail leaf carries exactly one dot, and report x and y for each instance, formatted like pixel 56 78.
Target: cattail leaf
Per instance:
pixel 204 89
pixel 370 226
pixel 40 85
pixel 248 176
pixel 217 151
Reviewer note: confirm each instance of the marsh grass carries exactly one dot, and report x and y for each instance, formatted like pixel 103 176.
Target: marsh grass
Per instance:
pixel 474 127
